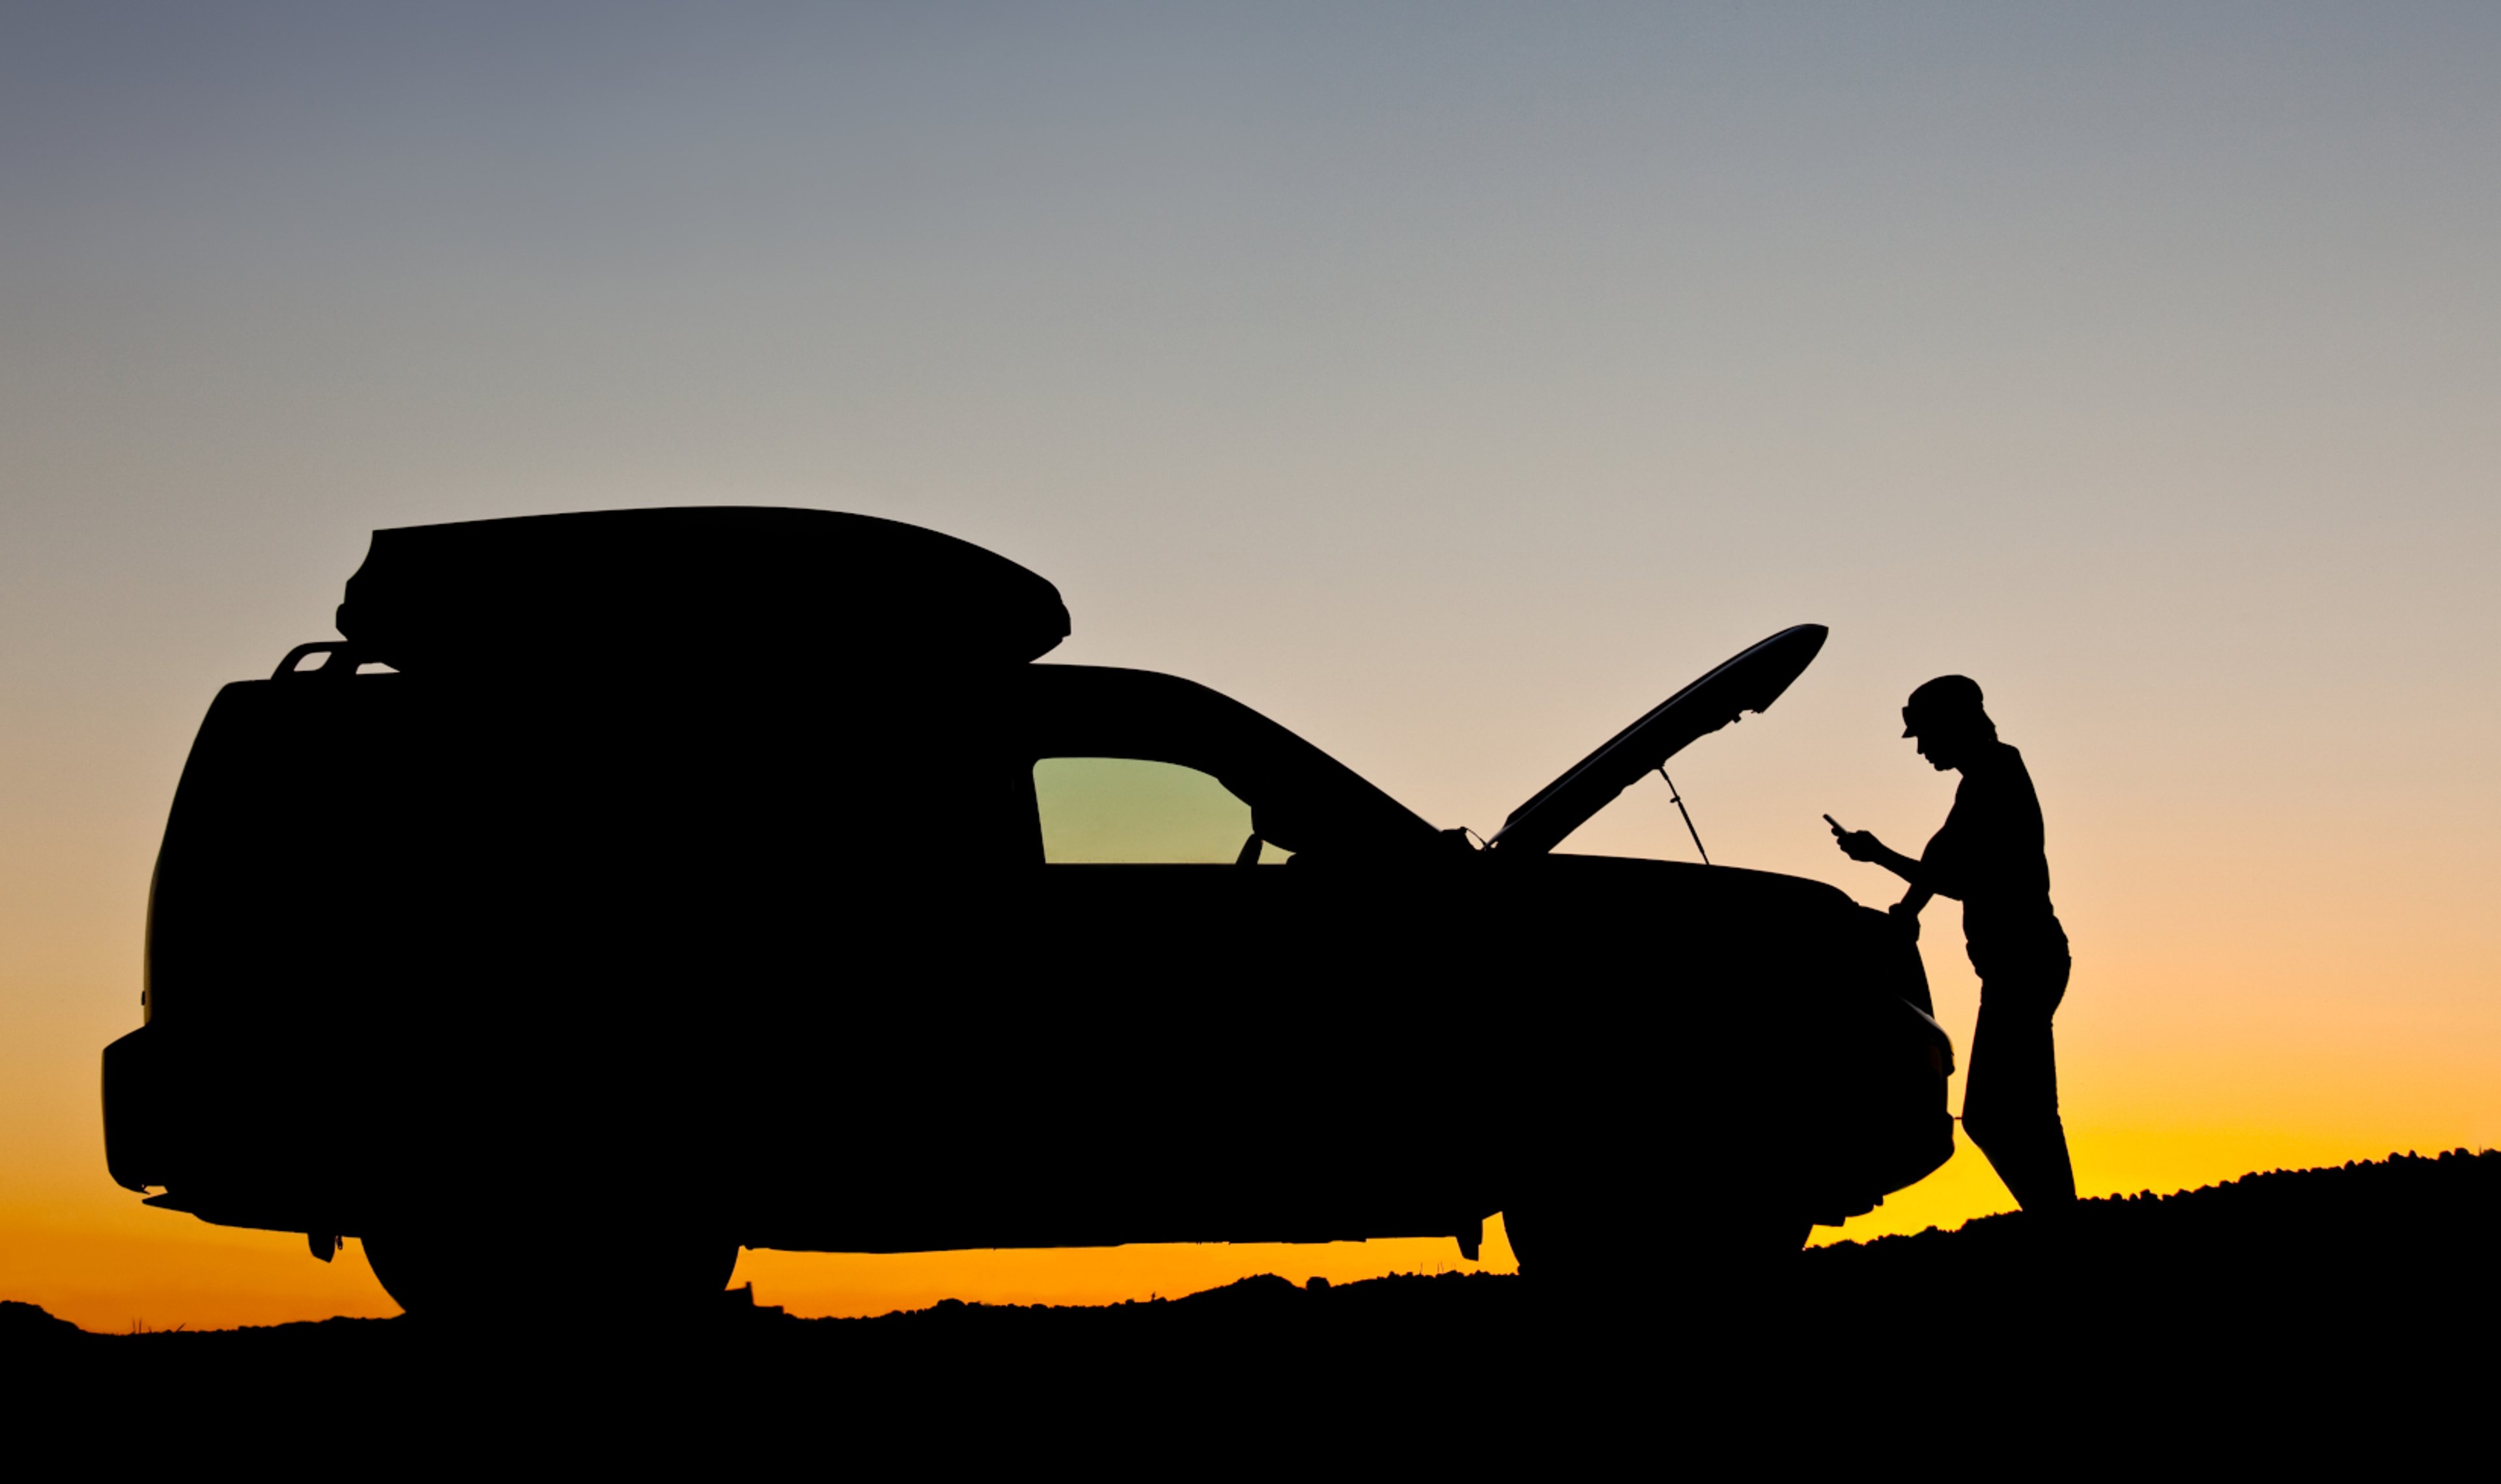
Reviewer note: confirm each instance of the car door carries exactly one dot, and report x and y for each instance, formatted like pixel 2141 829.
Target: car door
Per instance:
pixel 1150 1028
pixel 1251 1046
pixel 1176 1094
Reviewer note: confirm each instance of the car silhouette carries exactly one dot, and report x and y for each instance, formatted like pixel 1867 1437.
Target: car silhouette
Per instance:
pixel 630 886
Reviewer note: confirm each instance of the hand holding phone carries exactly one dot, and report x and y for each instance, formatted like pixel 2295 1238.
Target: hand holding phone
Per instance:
pixel 1857 845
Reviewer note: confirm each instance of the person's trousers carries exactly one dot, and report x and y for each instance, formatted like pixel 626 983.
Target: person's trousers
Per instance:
pixel 2009 1096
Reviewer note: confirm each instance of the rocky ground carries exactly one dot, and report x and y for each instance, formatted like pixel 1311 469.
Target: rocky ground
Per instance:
pixel 2351 1306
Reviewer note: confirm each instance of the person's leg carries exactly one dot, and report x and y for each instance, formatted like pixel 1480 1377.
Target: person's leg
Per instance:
pixel 2009 1102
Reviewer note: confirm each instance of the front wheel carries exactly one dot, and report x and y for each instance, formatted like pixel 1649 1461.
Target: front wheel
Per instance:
pixel 1567 1242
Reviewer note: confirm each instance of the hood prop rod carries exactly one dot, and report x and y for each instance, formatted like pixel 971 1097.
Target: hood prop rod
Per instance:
pixel 1679 801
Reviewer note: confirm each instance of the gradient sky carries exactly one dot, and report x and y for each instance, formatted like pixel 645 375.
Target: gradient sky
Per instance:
pixel 1449 383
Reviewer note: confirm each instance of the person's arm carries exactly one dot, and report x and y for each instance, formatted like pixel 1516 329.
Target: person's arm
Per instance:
pixel 1864 845
pixel 1906 912
pixel 1932 875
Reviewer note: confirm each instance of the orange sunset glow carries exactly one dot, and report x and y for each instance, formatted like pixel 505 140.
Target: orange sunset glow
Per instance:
pixel 1449 383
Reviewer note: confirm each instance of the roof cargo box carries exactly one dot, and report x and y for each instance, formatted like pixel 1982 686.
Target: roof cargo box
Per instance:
pixel 726 584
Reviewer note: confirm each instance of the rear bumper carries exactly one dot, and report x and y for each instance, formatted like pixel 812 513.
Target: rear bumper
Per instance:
pixel 158 1126
pixel 137 1111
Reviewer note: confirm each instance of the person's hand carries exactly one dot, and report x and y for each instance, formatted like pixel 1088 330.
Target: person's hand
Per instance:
pixel 1858 845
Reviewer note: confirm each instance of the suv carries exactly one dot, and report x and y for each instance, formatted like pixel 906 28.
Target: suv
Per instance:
pixel 663 881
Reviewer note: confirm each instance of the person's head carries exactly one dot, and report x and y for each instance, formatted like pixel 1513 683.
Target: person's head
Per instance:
pixel 1946 716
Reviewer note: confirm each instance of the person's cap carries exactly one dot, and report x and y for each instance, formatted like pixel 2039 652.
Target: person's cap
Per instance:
pixel 1948 697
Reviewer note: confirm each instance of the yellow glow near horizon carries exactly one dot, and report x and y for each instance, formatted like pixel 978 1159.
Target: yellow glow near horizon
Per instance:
pixel 107 1264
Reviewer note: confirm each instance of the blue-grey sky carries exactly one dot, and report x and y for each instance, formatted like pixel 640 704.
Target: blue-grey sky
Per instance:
pixel 1449 382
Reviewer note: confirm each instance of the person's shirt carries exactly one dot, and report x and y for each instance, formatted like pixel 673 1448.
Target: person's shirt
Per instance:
pixel 1988 854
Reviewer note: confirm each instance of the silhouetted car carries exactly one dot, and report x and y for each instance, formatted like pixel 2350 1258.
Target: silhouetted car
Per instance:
pixel 629 886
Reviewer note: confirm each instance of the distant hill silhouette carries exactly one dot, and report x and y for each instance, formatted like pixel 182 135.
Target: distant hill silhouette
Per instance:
pixel 2257 1298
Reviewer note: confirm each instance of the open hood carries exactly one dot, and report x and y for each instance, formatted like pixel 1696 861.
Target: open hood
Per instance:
pixel 1750 682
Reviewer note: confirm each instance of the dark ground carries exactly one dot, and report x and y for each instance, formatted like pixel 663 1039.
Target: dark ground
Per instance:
pixel 2335 1308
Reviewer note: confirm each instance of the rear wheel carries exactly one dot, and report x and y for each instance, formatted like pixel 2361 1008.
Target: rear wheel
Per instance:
pixel 473 1274
pixel 1550 1245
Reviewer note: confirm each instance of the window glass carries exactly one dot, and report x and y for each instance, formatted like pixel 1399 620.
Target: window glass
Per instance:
pixel 1100 810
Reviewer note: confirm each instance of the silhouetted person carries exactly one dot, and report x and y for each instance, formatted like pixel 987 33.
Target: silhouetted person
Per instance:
pixel 1989 856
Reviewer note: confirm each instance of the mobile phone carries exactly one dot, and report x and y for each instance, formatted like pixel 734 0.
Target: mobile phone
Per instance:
pixel 1836 825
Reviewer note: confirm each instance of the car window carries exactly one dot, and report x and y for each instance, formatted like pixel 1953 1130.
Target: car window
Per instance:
pixel 1104 811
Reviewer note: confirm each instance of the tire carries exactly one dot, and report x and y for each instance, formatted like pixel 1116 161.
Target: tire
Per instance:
pixel 1569 1243
pixel 1750 1240
pixel 1770 1238
pixel 469 1274
pixel 1564 1240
